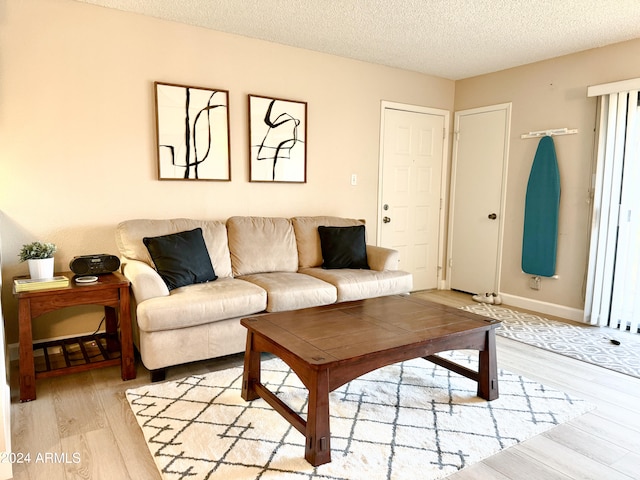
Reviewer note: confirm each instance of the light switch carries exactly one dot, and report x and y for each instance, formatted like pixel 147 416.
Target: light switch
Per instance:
pixel 354 179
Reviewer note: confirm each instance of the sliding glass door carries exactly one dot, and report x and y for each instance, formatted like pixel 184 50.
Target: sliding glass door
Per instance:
pixel 614 258
pixel 625 302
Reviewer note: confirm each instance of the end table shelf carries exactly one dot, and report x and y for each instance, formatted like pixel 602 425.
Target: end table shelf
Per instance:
pixel 75 355
pixel 113 347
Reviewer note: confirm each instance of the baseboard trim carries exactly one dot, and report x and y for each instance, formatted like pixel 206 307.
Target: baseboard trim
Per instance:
pixel 561 311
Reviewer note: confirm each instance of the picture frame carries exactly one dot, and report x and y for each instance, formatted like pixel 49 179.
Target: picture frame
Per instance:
pixel 277 140
pixel 192 133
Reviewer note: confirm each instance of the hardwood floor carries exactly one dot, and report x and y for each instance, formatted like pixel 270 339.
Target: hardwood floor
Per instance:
pixel 81 426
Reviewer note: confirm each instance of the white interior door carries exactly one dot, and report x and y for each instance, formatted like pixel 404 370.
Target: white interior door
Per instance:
pixel 481 145
pixel 412 153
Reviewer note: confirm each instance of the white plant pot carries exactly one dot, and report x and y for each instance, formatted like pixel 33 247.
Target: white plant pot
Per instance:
pixel 41 268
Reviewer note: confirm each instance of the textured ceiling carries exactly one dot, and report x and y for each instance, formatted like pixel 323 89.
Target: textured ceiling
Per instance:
pixel 448 38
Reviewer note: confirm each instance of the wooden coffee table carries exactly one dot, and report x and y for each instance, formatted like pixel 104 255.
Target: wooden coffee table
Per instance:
pixel 331 345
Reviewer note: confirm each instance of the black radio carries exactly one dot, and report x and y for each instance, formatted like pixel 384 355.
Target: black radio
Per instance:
pixel 94 264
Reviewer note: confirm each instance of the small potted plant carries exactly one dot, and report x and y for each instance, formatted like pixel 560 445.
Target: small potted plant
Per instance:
pixel 39 256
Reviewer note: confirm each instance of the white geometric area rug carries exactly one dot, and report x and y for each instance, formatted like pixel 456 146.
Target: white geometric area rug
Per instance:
pixel 408 420
pixel 587 343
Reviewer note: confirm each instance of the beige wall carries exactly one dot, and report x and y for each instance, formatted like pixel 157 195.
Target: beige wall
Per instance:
pixel 77 152
pixel 551 94
pixel 77 145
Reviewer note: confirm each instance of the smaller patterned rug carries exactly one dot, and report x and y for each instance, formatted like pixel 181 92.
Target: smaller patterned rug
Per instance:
pixel 409 420
pixel 588 343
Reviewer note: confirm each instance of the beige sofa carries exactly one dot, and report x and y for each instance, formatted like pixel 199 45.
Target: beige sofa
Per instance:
pixel 262 264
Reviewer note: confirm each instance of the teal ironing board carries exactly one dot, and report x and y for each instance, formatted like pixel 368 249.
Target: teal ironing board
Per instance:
pixel 540 237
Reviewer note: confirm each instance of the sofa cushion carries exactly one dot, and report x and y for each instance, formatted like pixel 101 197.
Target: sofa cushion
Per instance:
pixel 201 303
pixel 181 258
pixel 292 291
pixel 359 284
pixel 343 247
pixel 308 239
pixel 129 236
pixel 164 348
pixel 261 244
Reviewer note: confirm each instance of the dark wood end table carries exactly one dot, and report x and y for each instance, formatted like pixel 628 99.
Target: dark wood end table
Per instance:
pixel 112 292
pixel 331 345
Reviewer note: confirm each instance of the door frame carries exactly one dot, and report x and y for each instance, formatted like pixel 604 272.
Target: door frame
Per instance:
pixel 446 114
pixel 503 194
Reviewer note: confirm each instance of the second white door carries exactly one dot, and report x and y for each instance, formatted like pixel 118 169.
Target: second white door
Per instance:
pixel 477 198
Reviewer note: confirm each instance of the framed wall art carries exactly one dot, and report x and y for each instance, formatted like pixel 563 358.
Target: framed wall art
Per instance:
pixel 277 140
pixel 192 126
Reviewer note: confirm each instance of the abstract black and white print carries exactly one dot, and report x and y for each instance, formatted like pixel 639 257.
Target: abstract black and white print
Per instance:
pixel 277 140
pixel 193 133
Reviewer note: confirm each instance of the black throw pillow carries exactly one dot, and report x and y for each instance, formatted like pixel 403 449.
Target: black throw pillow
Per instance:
pixel 343 247
pixel 181 258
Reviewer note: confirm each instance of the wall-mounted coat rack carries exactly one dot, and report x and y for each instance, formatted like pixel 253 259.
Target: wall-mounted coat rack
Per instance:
pixel 551 133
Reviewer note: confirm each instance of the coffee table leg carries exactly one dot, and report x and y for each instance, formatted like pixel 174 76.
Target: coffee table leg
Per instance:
pixel 251 374
pixel 318 441
pixel 488 368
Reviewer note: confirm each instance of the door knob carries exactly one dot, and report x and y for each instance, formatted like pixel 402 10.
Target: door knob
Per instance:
pixel 386 219
pixel 492 216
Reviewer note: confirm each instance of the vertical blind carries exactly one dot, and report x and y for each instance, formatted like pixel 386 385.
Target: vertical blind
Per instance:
pixel 614 254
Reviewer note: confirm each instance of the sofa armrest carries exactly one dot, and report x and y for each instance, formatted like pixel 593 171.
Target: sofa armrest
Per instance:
pixel 381 258
pixel 146 283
